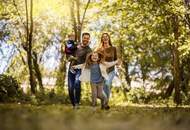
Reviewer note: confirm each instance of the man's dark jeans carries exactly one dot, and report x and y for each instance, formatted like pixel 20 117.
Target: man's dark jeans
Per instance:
pixel 74 86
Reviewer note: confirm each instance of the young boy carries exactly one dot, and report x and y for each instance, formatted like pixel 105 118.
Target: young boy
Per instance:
pixel 70 46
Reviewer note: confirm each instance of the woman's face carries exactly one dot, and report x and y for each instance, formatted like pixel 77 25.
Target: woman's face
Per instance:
pixel 105 39
pixel 94 57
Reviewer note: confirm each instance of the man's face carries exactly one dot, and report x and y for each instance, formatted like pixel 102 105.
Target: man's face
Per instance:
pixel 85 40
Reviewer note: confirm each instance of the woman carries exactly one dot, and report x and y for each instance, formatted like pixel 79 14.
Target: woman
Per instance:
pixel 110 54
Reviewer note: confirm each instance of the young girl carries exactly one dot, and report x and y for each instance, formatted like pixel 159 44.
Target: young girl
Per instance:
pixel 94 71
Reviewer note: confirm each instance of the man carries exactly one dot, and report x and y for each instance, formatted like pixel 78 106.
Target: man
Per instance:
pixel 74 84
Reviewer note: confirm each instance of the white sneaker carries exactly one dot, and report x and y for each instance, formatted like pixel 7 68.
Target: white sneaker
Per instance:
pixel 77 106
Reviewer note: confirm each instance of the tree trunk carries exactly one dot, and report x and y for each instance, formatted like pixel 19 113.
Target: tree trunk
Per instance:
pixel 60 82
pixel 124 62
pixel 29 32
pixel 73 19
pixel 79 29
pixel 123 57
pixel 127 78
pixel 176 62
pixel 169 90
pixel 37 71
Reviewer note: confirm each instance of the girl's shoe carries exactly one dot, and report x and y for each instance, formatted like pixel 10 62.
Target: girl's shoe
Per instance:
pixel 105 107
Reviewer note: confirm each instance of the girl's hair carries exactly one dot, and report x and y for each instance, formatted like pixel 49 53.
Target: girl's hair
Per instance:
pixel 89 61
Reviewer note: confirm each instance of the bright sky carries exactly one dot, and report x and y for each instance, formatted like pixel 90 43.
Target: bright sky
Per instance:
pixel 57 7
pixel 5 52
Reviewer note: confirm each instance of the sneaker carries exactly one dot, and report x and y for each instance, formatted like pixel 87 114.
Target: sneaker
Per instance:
pixel 77 106
pixel 107 107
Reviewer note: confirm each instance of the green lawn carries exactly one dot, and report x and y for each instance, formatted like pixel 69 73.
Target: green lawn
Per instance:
pixel 63 117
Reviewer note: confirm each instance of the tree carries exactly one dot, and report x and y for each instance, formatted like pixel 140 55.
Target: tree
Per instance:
pixel 78 21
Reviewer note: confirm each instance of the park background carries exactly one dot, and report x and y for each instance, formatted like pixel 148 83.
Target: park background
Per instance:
pixel 152 37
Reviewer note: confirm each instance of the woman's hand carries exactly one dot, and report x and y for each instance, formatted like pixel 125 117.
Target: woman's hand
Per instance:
pixel 118 62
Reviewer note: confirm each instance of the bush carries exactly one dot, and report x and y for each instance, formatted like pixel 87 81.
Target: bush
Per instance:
pixel 8 88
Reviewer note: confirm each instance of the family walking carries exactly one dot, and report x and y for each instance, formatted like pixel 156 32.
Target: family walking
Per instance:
pixel 96 67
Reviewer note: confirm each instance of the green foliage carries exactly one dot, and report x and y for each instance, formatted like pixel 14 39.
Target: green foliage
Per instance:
pixel 9 88
pixel 145 30
pixel 137 95
pixel 50 97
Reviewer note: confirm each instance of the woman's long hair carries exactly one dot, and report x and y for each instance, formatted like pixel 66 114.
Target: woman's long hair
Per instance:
pixel 89 61
pixel 100 47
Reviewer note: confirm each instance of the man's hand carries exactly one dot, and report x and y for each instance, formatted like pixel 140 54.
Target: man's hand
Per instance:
pixel 71 58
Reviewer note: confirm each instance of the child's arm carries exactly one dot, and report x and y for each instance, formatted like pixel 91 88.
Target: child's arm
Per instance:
pixel 80 66
pixel 110 64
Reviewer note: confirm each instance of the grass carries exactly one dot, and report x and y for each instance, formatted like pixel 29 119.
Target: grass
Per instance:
pixel 63 117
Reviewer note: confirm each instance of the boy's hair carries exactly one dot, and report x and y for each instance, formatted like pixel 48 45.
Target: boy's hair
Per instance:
pixel 71 35
pixel 89 61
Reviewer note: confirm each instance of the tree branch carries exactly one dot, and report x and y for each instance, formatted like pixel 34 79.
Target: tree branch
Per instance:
pixel 78 11
pixel 84 14
pixel 16 7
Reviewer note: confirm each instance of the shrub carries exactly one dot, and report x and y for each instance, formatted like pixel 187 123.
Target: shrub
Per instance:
pixel 8 88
